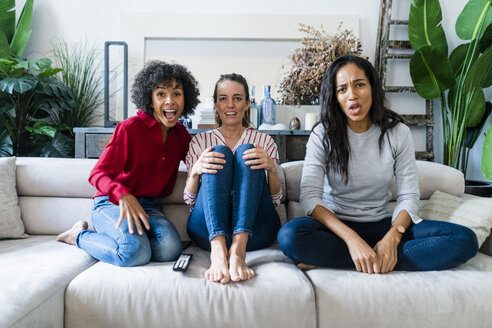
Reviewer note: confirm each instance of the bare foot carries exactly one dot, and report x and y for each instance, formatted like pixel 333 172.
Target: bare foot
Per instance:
pixel 238 268
pixel 70 235
pixel 237 258
pixel 305 267
pixel 219 268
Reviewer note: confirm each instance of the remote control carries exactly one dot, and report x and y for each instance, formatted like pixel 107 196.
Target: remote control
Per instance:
pixel 182 262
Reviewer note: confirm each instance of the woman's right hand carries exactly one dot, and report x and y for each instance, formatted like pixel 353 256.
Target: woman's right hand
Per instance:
pixel 208 162
pixel 363 256
pixel 131 210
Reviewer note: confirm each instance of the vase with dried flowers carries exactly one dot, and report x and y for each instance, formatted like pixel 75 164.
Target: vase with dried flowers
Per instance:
pixel 301 84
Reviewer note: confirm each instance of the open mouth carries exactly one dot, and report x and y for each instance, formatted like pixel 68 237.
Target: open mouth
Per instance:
pixel 354 109
pixel 170 114
pixel 230 113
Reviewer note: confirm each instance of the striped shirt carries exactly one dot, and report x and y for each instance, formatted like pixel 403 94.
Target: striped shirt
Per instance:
pixel 211 138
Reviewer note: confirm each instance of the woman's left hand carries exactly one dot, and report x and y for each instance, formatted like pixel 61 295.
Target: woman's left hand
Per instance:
pixel 258 158
pixel 387 253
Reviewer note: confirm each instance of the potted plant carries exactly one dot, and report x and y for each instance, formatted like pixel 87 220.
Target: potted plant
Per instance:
pixel 301 84
pixel 29 94
pixel 458 80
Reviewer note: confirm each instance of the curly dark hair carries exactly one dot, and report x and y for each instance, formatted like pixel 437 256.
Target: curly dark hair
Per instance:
pixel 333 119
pixel 158 72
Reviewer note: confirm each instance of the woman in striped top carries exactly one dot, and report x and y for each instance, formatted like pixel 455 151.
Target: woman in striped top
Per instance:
pixel 232 185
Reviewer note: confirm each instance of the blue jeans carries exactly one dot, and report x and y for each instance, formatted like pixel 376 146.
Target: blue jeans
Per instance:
pixel 428 245
pixel 118 246
pixel 234 200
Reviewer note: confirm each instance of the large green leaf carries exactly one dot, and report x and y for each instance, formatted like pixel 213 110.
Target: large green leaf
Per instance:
pixel 431 72
pixel 424 25
pixel 476 106
pixel 19 85
pixel 487 155
pixel 458 56
pixel 486 39
pixel 43 128
pixel 50 72
pixel 4 46
pixel 481 71
pixel 7 18
pixel 23 30
pixel 476 13
pixel 473 133
pixel 41 64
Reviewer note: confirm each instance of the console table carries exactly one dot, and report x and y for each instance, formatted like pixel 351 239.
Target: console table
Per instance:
pixel 90 142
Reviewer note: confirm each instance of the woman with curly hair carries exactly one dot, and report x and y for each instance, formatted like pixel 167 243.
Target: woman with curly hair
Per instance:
pixel 232 185
pixel 351 158
pixel 139 166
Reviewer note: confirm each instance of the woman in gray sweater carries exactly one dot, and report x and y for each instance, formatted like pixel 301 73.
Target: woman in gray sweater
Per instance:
pixel 351 158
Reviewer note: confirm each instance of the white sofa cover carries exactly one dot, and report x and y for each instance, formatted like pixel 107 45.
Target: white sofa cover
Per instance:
pixel 41 276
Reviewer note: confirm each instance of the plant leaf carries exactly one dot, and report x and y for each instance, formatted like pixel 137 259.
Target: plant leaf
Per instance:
pixel 476 106
pixel 486 39
pixel 481 71
pixel 487 155
pixel 4 46
pixel 458 55
pixel 475 13
pixel 50 72
pixel 431 72
pixel 473 133
pixel 424 25
pixel 20 85
pixel 41 64
pixel 7 18
pixel 43 128
pixel 23 30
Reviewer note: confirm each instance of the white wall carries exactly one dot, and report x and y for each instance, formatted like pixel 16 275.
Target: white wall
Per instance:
pixel 99 21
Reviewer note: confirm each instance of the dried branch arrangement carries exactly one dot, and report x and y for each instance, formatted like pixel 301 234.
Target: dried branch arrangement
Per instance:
pixel 309 63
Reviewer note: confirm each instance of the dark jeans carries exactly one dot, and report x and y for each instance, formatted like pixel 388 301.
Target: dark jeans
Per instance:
pixel 236 199
pixel 428 245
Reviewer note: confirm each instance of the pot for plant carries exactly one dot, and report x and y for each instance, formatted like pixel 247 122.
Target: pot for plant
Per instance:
pixel 478 188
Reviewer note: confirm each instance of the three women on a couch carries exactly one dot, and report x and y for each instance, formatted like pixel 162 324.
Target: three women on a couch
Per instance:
pixel 351 159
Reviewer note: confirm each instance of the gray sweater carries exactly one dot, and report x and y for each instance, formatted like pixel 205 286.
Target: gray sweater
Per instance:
pixel 370 171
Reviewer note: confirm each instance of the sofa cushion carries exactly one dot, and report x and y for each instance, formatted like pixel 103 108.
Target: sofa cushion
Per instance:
pixel 435 176
pixel 11 225
pixel 280 295
pixel 470 211
pixel 54 177
pixel 53 215
pixel 459 297
pixel 34 274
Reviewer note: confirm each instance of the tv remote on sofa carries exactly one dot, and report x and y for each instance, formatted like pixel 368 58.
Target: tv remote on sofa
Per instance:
pixel 182 262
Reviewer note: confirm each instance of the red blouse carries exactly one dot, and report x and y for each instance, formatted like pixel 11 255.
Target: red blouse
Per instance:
pixel 137 162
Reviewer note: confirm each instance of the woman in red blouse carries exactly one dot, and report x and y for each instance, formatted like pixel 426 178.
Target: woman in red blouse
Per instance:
pixel 138 166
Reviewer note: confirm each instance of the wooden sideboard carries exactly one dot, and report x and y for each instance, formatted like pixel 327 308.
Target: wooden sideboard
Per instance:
pixel 90 142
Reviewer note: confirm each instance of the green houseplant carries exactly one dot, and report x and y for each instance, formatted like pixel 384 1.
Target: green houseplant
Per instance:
pixel 29 93
pixel 458 80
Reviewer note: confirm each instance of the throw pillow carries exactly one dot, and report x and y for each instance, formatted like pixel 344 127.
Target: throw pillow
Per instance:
pixel 11 225
pixel 470 211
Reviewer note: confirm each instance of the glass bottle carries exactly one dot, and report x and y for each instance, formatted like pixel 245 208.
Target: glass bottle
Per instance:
pixel 254 112
pixel 268 107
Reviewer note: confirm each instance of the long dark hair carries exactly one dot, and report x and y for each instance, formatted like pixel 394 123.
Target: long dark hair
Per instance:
pixel 334 120
pixel 241 80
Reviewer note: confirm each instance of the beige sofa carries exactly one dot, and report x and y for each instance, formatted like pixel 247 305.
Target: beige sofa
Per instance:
pixel 49 284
